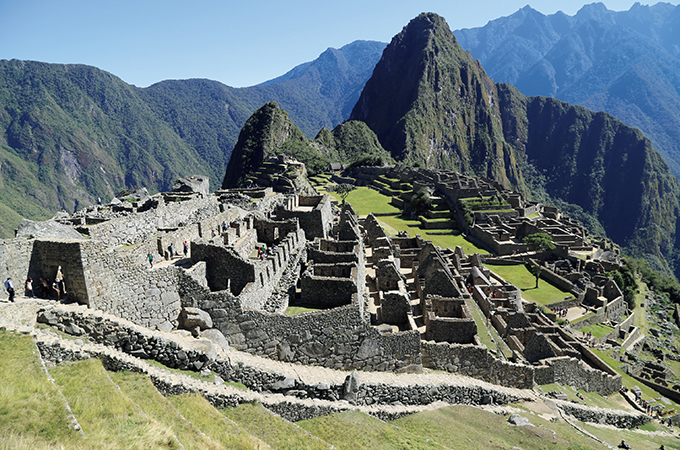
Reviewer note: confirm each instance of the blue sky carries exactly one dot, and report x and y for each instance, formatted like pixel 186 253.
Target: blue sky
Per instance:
pixel 239 43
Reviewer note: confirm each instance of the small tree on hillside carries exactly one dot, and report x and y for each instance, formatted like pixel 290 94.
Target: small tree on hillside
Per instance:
pixel 420 202
pixel 343 191
pixel 540 243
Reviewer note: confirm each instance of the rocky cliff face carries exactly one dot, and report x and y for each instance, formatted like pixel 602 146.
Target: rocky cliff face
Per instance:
pixel 431 104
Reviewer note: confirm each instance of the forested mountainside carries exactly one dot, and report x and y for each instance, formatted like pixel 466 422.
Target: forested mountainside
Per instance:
pixel 70 133
pixel 270 131
pixel 626 63
pixel 431 104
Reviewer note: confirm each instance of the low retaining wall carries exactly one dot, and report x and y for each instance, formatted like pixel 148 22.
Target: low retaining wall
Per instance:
pixel 572 372
pixel 475 361
pixel 619 419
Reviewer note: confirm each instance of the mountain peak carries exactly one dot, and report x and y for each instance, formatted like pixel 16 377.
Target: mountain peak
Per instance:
pixel 431 104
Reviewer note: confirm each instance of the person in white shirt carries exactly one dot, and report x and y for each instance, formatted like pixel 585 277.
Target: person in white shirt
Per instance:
pixel 10 289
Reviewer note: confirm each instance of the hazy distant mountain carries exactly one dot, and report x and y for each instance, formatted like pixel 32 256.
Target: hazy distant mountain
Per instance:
pixel 431 104
pixel 626 63
pixel 69 133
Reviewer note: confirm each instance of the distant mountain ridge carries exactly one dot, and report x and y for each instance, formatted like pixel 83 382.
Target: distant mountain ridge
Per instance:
pixel 70 133
pixel 626 63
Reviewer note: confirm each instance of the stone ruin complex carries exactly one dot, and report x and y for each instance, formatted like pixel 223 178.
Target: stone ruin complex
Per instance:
pixel 380 303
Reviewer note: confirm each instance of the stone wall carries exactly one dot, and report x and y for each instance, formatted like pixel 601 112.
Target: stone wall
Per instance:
pixel 340 338
pixel 252 279
pixel 15 262
pixel 120 286
pixel 143 226
pixel 328 291
pixel 126 336
pixel 475 361
pixel 619 419
pixel 572 372
pixel 315 223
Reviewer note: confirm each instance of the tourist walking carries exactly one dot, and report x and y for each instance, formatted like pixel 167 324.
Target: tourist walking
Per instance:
pixel 9 287
pixel 186 248
pixel 150 256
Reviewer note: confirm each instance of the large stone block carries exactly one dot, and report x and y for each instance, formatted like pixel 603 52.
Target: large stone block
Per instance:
pixel 194 317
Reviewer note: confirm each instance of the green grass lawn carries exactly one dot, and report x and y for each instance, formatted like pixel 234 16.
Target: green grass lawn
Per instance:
pixel 32 413
pixel 465 427
pixel 108 418
pixel 519 275
pixel 294 310
pixel 139 389
pixel 365 200
pixel 599 330
pixel 640 317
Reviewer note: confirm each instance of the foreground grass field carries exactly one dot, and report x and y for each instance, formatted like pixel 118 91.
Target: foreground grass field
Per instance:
pixel 520 276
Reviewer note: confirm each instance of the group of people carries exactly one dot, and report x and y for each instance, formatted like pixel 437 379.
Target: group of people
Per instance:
pixel 44 289
pixel 171 252
pixel 561 312
pixel 654 410
pixel 264 251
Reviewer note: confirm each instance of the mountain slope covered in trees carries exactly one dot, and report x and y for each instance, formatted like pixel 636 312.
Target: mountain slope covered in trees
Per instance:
pixel 70 133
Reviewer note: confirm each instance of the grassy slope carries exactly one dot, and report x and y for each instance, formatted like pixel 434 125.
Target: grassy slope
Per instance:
pixel 32 413
pixel 464 427
pixel 272 429
pixel 138 388
pixel 356 430
pixel 217 427
pixel 108 418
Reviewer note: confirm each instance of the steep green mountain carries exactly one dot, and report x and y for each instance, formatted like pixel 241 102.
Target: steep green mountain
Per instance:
pixel 625 63
pixel 270 132
pixel 349 142
pixel 70 133
pixel 430 103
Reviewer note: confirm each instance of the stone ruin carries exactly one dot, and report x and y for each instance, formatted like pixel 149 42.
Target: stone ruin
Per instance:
pixel 380 303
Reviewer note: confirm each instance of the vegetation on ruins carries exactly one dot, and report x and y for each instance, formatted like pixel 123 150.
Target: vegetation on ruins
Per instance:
pixel 343 191
pixel 420 202
pixel 539 243
pixel 625 280
pixel 659 283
